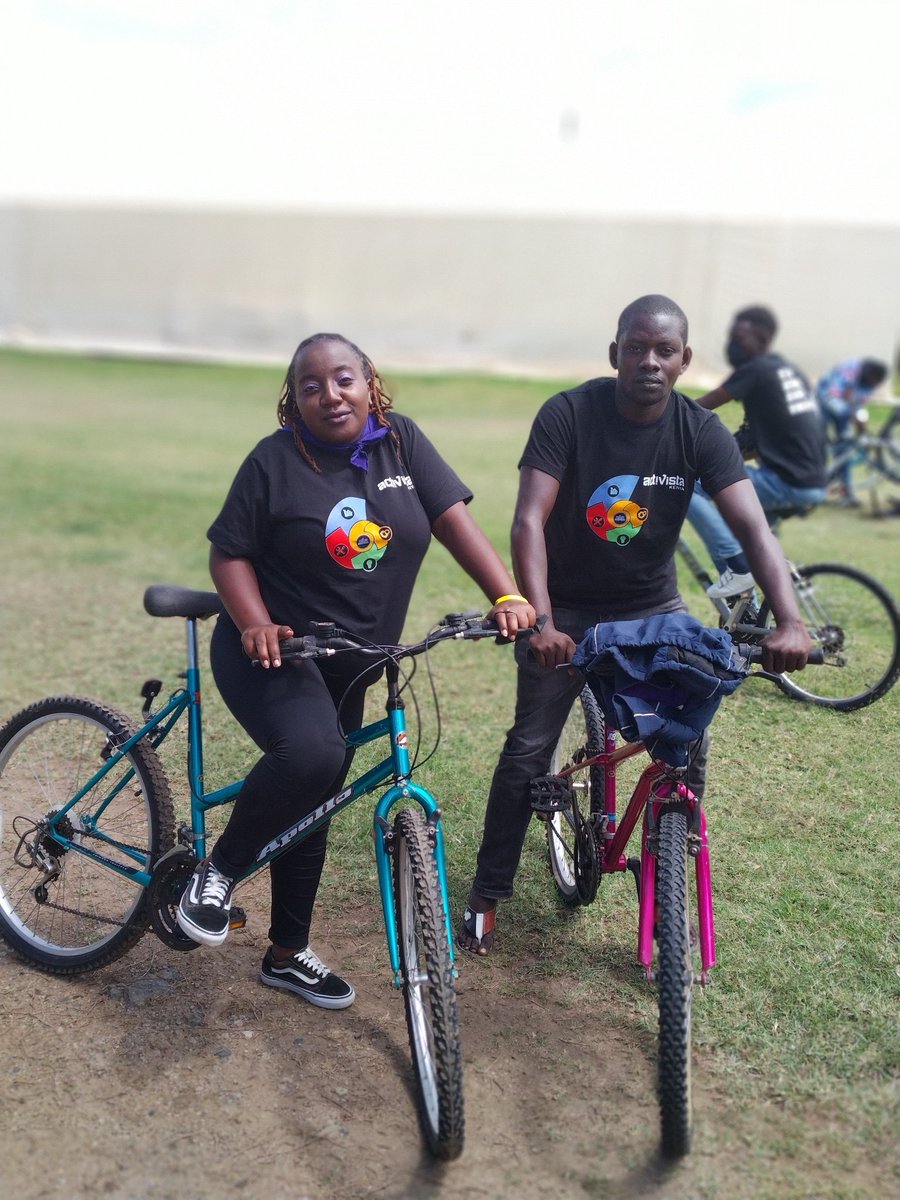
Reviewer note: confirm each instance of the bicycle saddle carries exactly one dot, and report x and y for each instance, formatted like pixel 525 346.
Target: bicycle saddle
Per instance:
pixel 170 600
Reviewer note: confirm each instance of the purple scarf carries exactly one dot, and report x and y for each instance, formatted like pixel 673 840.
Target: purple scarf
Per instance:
pixel 359 456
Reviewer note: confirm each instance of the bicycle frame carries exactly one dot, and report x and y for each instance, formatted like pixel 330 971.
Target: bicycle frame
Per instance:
pixel 731 615
pixel 740 616
pixel 394 766
pixel 657 786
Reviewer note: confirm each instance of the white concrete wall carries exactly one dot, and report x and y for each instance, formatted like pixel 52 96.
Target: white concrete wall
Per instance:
pixel 523 294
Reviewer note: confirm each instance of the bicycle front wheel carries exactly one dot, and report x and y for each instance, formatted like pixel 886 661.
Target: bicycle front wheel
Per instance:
pixel 428 989
pixel 570 845
pixel 855 622
pixel 63 911
pixel 675 983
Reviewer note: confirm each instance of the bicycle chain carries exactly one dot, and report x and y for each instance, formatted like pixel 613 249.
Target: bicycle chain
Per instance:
pixel 77 912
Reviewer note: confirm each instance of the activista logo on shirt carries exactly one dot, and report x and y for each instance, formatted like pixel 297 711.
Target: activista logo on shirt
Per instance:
pixel 393 481
pixel 352 539
pixel 675 482
pixel 611 513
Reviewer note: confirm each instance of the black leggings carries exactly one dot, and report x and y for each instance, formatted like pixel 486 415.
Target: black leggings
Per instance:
pixel 291 714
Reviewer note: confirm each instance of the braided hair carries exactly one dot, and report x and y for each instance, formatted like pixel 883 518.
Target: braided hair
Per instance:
pixel 288 412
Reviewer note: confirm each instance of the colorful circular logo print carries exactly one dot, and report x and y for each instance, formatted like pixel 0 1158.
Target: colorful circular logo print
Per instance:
pixel 353 540
pixel 611 513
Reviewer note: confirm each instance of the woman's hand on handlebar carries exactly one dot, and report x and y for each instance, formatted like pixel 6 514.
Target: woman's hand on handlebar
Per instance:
pixel 511 616
pixel 260 642
pixel 786 648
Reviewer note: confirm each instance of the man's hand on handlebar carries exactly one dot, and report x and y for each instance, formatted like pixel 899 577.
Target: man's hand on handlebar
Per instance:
pixel 551 648
pixel 786 648
pixel 260 642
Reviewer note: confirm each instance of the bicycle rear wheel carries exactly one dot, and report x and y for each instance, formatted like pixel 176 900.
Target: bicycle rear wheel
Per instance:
pixel 675 983
pixel 856 623
pixel 570 845
pixel 428 989
pixel 888 448
pixel 61 910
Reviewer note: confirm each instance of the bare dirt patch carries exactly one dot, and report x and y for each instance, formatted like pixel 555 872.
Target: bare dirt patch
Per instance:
pixel 173 1075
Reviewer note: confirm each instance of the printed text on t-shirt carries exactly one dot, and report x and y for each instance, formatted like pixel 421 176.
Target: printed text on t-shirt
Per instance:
pixel 676 482
pixel 394 481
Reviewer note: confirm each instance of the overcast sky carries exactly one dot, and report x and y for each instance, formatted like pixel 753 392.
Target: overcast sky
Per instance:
pixel 703 108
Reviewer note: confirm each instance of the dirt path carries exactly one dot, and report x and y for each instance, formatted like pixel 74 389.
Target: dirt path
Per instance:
pixel 177 1076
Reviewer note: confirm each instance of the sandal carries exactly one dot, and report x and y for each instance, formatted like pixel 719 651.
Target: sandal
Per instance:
pixel 480 926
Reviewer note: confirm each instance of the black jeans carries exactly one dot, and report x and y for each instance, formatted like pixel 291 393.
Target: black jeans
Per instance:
pixel 543 702
pixel 291 714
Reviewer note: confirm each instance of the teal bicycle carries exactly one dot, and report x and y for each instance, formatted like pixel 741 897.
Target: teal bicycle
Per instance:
pixel 90 857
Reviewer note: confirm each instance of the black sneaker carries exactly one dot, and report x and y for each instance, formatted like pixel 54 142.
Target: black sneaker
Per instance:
pixel 304 974
pixel 205 904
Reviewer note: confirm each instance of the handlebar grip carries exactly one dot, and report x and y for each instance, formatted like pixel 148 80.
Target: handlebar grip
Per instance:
pixel 753 654
pixel 295 645
pixel 490 626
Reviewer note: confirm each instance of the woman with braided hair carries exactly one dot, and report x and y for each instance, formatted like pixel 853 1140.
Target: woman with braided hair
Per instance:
pixel 328 519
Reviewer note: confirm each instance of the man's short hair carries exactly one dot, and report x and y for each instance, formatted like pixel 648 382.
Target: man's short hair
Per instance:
pixel 760 318
pixel 653 306
pixel 872 372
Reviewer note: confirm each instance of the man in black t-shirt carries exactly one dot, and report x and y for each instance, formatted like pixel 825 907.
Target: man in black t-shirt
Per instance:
pixel 783 429
pixel 605 482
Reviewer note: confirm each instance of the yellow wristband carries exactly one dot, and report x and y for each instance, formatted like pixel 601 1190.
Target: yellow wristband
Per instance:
pixel 503 599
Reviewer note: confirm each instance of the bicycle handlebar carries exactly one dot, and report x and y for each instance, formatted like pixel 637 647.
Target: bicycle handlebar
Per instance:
pixel 326 638
pixel 754 653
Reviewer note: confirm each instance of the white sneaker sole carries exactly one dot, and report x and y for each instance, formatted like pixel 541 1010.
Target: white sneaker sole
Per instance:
pixel 203 936
pixel 319 1001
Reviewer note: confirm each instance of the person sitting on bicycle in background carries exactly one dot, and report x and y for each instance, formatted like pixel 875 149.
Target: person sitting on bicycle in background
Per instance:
pixel 843 395
pixel 328 519
pixel 782 428
pixel 605 480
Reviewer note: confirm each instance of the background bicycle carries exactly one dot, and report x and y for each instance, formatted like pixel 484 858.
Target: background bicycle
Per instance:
pixel 873 460
pixel 850 616
pixel 88 853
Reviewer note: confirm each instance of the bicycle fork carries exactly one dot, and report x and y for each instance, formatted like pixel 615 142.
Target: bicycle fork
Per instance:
pixel 664 793
pixel 402 790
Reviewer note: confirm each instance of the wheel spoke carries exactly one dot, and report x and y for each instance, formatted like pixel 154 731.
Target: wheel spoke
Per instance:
pixel 855 622
pixel 61 908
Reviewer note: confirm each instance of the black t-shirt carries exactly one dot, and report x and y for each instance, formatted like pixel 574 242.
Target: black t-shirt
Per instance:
pixel 344 545
pixel 783 417
pixel 624 492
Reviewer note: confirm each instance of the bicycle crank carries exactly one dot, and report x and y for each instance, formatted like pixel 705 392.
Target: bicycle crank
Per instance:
pixel 171 876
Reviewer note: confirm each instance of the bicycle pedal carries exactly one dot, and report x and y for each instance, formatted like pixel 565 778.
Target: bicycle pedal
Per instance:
pixel 237 918
pixel 549 794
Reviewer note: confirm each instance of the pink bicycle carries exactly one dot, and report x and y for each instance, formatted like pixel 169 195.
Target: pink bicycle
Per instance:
pixel 676 940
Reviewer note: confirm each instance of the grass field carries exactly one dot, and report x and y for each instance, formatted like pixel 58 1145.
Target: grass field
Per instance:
pixel 110 473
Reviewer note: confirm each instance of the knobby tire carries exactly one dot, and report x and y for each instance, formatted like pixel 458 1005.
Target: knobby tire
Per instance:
pixel 88 915
pixel 675 981
pixel 577 873
pixel 428 987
